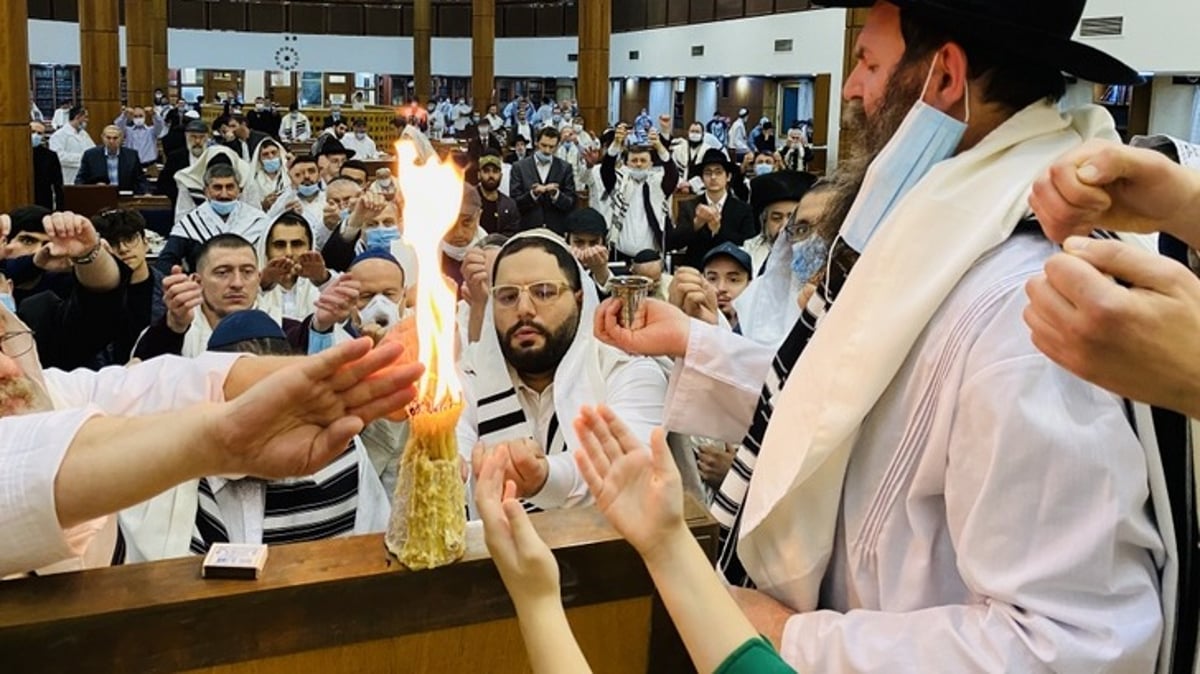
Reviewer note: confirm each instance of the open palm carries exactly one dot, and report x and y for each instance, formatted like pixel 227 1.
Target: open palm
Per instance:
pixel 638 491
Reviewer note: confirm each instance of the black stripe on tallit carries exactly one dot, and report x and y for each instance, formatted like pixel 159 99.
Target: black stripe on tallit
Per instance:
pixel 496 424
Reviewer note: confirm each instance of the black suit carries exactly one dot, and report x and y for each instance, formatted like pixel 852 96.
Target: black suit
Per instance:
pixel 264 122
pixel 737 225
pixel 251 144
pixel 543 210
pixel 476 148
pixel 331 122
pixel 93 169
pixel 177 161
pixel 47 179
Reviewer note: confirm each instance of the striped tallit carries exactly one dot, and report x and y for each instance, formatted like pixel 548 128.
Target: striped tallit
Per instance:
pixel 322 505
pixel 501 419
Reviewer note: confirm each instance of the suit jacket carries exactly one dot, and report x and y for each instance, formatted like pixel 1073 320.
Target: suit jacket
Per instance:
pixel 177 161
pixel 251 143
pixel 543 210
pixel 330 121
pixel 737 225
pixel 47 179
pixel 93 170
pixel 476 149
pixel 266 122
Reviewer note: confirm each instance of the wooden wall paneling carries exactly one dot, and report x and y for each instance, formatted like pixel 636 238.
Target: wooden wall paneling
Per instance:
pixel 758 7
pixel 100 59
pixel 307 19
pixel 16 189
pixel 822 95
pixel 520 22
pixel 227 16
pixel 406 20
pixel 382 21
pixel 656 13
pixel 267 18
pixel 729 9
pixel 677 12
pixel 570 20
pixel 630 15
pixel 595 37
pixel 549 22
pixel 483 53
pixel 792 5
pixel 347 20
pixel 186 14
pixel 40 9
pixel 422 23
pixel 65 10
pixel 700 10
pixel 453 21
pixel 139 52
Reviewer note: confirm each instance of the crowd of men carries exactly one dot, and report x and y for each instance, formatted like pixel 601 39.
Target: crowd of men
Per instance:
pixel 969 475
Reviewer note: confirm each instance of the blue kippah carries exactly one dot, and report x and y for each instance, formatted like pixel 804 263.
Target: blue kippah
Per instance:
pixel 241 326
pixel 376 254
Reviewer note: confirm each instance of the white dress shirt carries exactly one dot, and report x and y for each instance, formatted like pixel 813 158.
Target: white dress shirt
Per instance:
pixel 995 512
pixel 32 446
pixel 70 144
pixel 363 149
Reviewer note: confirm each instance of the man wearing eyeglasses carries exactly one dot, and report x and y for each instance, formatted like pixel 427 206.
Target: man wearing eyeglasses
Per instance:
pixel 78 446
pixel 529 375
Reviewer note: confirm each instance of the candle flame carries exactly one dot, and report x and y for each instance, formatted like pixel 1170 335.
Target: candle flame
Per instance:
pixel 433 197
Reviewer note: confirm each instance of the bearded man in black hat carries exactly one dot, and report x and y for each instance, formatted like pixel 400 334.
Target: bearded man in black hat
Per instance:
pixel 773 198
pixel 934 494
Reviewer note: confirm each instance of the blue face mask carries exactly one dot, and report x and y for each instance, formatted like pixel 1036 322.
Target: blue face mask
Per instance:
pixel 8 302
pixel 272 165
pixel 344 213
pixel 926 137
pixel 37 140
pixel 222 208
pixel 382 237
pixel 308 191
pixel 808 257
pixel 543 158
pixel 763 169
pixel 638 175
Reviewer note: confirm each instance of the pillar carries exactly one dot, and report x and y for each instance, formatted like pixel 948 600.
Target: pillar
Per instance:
pixel 158 44
pixel 483 53
pixel 16 159
pixel 100 60
pixel 422 40
pixel 139 52
pixel 595 32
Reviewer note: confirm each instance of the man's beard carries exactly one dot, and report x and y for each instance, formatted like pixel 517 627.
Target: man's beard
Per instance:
pixel 872 133
pixel 197 150
pixel 489 184
pixel 547 358
pixel 19 395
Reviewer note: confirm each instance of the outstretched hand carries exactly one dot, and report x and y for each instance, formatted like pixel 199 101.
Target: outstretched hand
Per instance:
pixel 658 329
pixel 302 416
pixel 525 562
pixel 639 491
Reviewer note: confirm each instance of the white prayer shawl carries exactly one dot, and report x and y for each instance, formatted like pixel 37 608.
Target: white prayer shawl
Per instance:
pixel 190 181
pixel 162 527
pixel 684 156
pixel 261 184
pixel 767 309
pixel 305 292
pixel 313 211
pixel 867 335
pixel 625 190
pixel 195 340
pixel 203 223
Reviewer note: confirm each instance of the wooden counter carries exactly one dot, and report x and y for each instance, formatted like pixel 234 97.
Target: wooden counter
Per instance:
pixel 342 606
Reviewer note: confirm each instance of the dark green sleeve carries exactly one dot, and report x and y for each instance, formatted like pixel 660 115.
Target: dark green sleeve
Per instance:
pixel 754 657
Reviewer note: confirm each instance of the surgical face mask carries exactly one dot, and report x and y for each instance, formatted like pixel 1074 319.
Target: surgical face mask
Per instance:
pixel 543 158
pixel 695 137
pixel 763 169
pixel 382 237
pixel 7 301
pixel 638 175
pixel 808 257
pixel 381 311
pixel 484 131
pixel 228 136
pixel 222 208
pixel 139 121
pixel 456 253
pixel 308 191
pixel 37 140
pixel 272 165
pixel 360 134
pixel 557 119
pixel 259 107
pixel 344 213
pixel 294 115
pixel 926 137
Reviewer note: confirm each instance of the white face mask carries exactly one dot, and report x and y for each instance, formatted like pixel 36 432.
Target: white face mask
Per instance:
pixel 456 253
pixel 695 137
pixel 381 311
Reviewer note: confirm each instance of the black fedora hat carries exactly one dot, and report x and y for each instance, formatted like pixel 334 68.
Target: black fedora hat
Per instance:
pixel 714 156
pixel 778 186
pixel 1039 31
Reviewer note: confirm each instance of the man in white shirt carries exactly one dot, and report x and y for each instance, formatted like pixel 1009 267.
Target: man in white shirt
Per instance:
pixel 295 127
pixel 270 417
pixel 223 212
pixel 70 141
pixel 494 119
pixel 640 193
pixel 538 363
pixel 293 275
pixel 307 196
pixel 926 491
pixel 461 116
pixel 739 140
pixel 362 145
